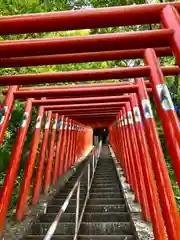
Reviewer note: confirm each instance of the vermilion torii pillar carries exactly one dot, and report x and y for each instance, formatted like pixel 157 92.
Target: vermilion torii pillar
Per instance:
pixel 165 109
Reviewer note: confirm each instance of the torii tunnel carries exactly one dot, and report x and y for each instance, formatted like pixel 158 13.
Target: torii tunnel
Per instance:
pixel 67 115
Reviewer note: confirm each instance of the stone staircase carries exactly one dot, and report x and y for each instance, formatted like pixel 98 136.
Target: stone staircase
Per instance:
pixel 106 214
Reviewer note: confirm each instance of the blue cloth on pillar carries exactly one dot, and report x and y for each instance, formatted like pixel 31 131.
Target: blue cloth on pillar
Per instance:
pixel 59 123
pixel 176 108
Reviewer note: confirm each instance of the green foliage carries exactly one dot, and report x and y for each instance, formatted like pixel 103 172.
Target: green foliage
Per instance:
pixel 10 7
pixel 7 147
pixel 174 183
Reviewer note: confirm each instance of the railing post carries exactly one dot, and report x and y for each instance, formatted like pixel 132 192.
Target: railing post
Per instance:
pixel 99 148
pixel 47 179
pixel 10 177
pixel 93 163
pixel 77 209
pixel 165 110
pixel 24 193
pixel 88 179
pixel 8 104
pixel 166 195
pixel 38 177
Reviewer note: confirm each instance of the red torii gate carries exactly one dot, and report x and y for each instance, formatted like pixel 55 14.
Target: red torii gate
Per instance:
pixel 84 75
pixel 80 57
pixel 127 127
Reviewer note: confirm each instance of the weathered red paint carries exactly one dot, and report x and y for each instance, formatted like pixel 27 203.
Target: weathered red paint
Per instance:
pixel 137 163
pixel 79 106
pixel 171 19
pixel 72 144
pixel 61 162
pixel 74 153
pixel 63 147
pixel 98 121
pixel 44 146
pixel 25 188
pixel 8 105
pixel 80 100
pixel 80 57
pixel 89 43
pixel 165 110
pixel 128 141
pixel 166 195
pixel 83 19
pixel 69 134
pixel 151 189
pixel 47 178
pixel 97 113
pixel 10 177
pixel 127 155
pixel 58 149
pixel 76 76
pixel 83 75
pixel 86 110
pixel 76 92
pixel 77 86
pixel 85 119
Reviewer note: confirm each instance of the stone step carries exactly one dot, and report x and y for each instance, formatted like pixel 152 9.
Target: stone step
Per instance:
pixel 49 217
pixel 107 201
pixel 106 217
pixel 58 201
pixel 106 195
pixel 56 208
pixel 106 237
pixel 104 190
pixel 88 217
pixel 106 228
pixel 108 185
pixel 62 229
pixel 91 228
pixel 82 237
pixel 105 181
pixel 105 208
pixel 55 237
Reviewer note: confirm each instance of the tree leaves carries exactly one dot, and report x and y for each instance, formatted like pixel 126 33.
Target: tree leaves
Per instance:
pixel 11 7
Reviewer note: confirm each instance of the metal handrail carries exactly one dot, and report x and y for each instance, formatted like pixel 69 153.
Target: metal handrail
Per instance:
pixel 95 156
